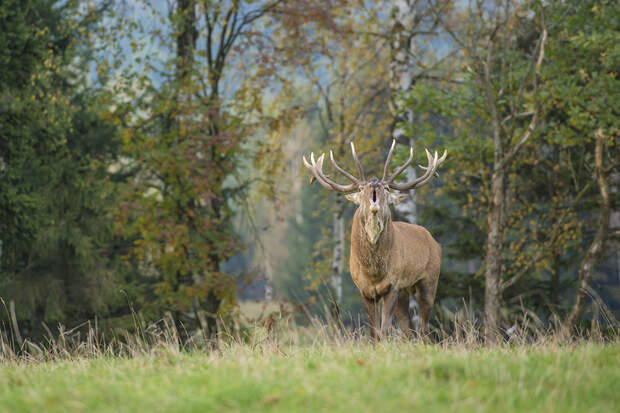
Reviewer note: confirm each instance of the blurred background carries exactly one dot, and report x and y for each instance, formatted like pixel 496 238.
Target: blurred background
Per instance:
pixel 150 157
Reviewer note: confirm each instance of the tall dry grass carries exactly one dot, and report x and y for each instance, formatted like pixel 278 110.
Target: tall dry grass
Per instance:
pixel 277 331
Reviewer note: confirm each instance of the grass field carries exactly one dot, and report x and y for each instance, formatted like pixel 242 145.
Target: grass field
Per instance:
pixel 354 376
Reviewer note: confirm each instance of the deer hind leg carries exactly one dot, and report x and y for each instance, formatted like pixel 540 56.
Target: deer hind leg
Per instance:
pixel 402 313
pixel 372 310
pixel 426 298
pixel 387 312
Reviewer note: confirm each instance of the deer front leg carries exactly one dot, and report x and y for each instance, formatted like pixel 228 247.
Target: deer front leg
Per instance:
pixel 389 303
pixel 372 310
pixel 375 291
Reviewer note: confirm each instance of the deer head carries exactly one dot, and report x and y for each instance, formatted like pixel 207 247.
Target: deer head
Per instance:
pixel 374 195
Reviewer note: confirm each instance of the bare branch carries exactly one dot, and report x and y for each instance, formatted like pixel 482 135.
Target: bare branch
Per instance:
pixel 528 132
pixel 518 115
pixel 543 251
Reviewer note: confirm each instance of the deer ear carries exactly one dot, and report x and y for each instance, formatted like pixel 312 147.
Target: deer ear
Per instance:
pixel 396 197
pixel 354 197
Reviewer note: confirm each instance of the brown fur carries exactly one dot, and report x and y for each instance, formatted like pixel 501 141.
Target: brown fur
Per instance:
pixel 403 259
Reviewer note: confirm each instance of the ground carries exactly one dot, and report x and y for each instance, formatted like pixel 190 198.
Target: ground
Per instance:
pixel 353 376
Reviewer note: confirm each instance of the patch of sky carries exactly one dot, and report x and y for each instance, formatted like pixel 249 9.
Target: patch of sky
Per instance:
pixel 131 39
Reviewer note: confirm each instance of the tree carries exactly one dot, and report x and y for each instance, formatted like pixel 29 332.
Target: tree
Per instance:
pixel 186 144
pixel 549 116
pixel 56 265
pixel 581 116
pixel 412 26
pixel 490 55
pixel 501 51
pixel 22 117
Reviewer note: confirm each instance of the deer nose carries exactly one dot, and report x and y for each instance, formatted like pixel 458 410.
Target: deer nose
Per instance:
pixel 374 207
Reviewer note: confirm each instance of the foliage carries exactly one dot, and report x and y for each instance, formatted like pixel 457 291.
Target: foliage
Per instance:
pixel 29 108
pixel 580 112
pixel 57 260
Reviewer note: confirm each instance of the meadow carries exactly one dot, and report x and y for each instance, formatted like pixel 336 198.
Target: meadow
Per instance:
pixel 320 372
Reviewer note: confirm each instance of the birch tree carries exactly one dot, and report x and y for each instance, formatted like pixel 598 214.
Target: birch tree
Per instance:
pixel 413 25
pixel 502 68
pixel 403 18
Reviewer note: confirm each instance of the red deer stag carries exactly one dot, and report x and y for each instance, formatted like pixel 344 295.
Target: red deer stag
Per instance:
pixel 389 260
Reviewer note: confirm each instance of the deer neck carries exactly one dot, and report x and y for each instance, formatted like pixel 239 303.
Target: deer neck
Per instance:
pixel 374 227
pixel 371 234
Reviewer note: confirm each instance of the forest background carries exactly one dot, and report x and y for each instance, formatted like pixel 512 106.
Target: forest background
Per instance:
pixel 150 156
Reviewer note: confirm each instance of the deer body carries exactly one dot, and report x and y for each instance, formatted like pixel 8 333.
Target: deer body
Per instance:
pixel 403 255
pixel 389 260
pixel 402 259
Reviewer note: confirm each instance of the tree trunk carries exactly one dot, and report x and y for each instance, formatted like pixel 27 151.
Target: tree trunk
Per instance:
pixel 493 267
pixel 554 285
pixel 407 210
pixel 268 279
pixel 597 247
pixel 495 218
pixel 2 167
pixel 211 306
pixel 338 255
pixel 400 82
pixel 614 222
pixel 186 38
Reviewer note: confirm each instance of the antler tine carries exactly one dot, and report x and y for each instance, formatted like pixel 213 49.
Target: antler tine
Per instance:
pixel 433 164
pixel 357 162
pixel 342 171
pixel 426 167
pixel 443 157
pixel 314 174
pixel 403 167
pixel 307 165
pixel 388 159
pixel 316 167
pixel 437 162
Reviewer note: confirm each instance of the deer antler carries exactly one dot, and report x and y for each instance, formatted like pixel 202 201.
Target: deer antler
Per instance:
pixel 430 170
pixel 316 167
pixel 357 162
